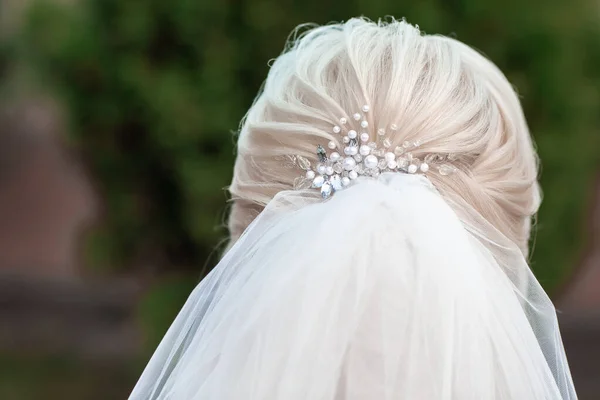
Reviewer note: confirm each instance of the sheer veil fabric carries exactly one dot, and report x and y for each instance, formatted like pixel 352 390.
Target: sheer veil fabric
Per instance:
pixel 382 292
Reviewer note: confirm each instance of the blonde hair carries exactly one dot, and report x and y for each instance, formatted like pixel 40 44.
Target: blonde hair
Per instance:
pixel 435 89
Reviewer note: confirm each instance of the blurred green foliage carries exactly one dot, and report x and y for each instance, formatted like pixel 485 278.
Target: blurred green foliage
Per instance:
pixel 158 308
pixel 36 377
pixel 156 88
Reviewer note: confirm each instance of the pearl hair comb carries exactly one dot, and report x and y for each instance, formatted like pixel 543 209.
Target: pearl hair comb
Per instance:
pixel 366 153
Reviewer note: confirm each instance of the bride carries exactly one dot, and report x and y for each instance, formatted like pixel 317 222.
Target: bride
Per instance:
pixel 383 194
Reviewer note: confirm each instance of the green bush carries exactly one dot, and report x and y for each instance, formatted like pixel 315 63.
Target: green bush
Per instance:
pixel 155 89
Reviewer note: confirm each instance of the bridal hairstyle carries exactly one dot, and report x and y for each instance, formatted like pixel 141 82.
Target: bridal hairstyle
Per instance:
pixel 400 286
pixel 436 89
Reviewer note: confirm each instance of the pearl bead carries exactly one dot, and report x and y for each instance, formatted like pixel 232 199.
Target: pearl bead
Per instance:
pixel 412 168
pixel 365 108
pixel 364 137
pixel 321 169
pixel 352 134
pixel 310 174
pixel 343 121
pixel 334 156
pixel 345 181
pixel 392 164
pixel 371 161
pixel 365 150
pixel 353 150
pixel 349 163
pixel 353 174
pixel 424 167
pixel 364 124
pixel 337 129
pixel 381 132
pixel 346 139
pixel 331 145
pixel 394 127
pixel 389 156
pixel 356 116
pixel 329 170
pixel 347 150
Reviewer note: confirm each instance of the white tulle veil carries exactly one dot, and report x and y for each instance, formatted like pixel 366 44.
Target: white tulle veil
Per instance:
pixel 385 291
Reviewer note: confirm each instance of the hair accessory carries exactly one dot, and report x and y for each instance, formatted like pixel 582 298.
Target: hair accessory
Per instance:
pixel 367 153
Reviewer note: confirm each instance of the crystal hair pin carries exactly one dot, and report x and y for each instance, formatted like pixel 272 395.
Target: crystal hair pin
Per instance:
pixel 367 153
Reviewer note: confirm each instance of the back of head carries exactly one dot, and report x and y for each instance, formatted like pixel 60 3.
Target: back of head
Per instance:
pixel 435 89
pixel 398 280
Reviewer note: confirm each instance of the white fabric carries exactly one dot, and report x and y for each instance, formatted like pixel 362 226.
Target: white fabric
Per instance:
pixel 379 293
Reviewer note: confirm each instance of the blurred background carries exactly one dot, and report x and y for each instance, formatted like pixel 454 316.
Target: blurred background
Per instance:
pixel 117 121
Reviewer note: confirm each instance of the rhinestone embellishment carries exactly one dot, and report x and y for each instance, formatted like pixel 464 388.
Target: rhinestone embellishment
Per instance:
pixel 359 157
